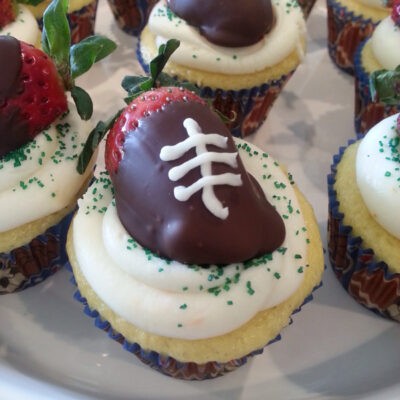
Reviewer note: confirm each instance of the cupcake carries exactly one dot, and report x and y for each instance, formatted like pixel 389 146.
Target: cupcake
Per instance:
pixel 374 55
pixel 81 17
pixel 131 15
pixel 16 20
pixel 239 55
pixel 192 248
pixel 41 135
pixel 364 226
pixel 349 23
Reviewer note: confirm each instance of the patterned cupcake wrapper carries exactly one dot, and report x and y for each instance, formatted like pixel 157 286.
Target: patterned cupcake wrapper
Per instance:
pixel 365 278
pixel 35 261
pixel 367 112
pixel 168 365
pixel 246 109
pixel 131 15
pixel 345 32
pixel 81 22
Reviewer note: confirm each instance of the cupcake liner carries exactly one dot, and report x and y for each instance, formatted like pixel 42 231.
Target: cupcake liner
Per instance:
pixel 345 32
pixel 362 275
pixel 35 261
pixel 168 365
pixel 81 22
pixel 367 113
pixel 131 15
pixel 246 109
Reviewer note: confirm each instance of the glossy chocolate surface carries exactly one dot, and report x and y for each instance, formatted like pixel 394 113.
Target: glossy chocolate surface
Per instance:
pixel 188 231
pixel 13 131
pixel 230 23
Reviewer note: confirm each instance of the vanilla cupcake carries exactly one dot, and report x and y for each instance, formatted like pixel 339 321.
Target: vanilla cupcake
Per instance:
pixel 166 268
pixel 364 225
pixel 377 53
pixel 16 20
pixel 42 133
pixel 81 17
pixel 239 55
pixel 349 23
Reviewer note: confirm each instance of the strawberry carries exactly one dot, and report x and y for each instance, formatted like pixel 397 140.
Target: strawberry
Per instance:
pixel 140 108
pixel 33 82
pixel 396 12
pixel 39 96
pixel 7 12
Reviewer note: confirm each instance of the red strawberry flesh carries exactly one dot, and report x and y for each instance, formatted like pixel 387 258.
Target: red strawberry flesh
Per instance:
pixel 396 13
pixel 7 12
pixel 35 99
pixel 140 108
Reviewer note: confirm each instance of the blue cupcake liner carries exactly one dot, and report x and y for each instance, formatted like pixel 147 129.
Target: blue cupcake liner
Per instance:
pixel 168 365
pixel 35 261
pixel 249 106
pixel 367 279
pixel 367 112
pixel 346 31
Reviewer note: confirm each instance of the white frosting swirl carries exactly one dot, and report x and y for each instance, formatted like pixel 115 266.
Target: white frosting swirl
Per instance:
pixel 24 27
pixel 195 51
pixel 378 174
pixel 386 38
pixel 41 178
pixel 171 299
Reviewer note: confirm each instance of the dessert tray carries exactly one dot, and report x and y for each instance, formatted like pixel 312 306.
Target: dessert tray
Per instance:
pixel 335 349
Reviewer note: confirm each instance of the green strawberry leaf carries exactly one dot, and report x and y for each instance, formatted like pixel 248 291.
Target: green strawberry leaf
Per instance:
pixel 56 36
pixel 385 86
pixel 83 102
pixel 87 52
pixel 133 84
pixel 94 139
pixel 164 53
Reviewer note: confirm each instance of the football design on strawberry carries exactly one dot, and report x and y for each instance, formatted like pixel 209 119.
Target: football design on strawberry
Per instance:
pixel 188 231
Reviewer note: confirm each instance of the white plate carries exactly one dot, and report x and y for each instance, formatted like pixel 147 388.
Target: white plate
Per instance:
pixel 335 349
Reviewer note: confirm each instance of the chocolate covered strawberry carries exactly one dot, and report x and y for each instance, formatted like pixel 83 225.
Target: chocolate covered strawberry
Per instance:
pixel 139 109
pixel 32 94
pixel 180 187
pixel 33 83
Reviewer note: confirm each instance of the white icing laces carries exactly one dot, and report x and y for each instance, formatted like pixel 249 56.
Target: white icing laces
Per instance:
pixel 204 160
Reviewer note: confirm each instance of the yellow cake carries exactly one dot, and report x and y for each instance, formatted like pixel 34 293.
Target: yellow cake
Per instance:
pixel 363 224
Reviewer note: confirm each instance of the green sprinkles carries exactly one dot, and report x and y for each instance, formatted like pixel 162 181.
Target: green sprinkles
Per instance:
pixel 277 275
pixel 183 306
pixel 250 290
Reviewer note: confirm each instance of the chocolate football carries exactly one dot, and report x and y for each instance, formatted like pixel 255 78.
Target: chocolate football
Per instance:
pixel 230 23
pixel 181 190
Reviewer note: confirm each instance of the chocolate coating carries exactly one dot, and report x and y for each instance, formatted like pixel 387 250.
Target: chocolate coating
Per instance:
pixel 187 231
pixel 13 131
pixel 230 23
